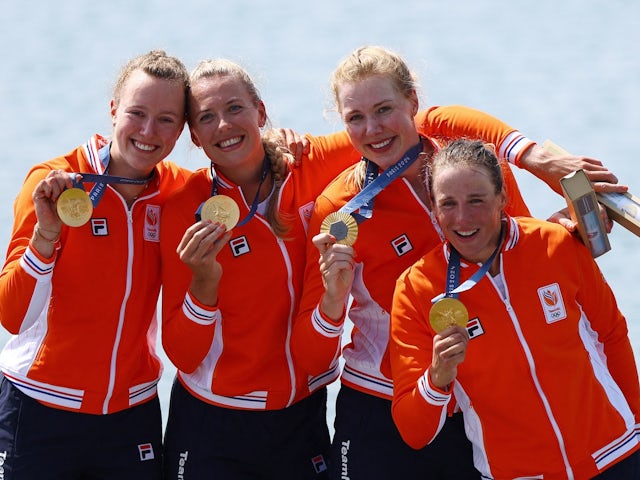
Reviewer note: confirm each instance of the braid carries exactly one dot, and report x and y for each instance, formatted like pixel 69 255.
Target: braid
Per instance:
pixel 279 157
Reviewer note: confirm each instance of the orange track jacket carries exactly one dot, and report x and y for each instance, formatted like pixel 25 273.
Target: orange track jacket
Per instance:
pixel 548 386
pixel 83 321
pixel 400 231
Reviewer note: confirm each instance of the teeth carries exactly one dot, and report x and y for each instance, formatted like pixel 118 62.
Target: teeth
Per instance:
pixel 230 142
pixel 381 144
pixel 144 146
pixel 467 234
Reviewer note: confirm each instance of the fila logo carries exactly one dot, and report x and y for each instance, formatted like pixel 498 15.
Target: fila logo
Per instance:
pixel 146 452
pixel 239 246
pixel 401 245
pixel 99 227
pixel 552 303
pixel 474 328
pixel 319 464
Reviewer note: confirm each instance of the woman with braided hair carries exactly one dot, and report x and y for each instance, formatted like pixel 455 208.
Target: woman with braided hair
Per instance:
pixel 240 407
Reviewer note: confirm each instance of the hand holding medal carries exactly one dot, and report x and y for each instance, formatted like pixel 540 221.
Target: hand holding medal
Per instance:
pixel 75 206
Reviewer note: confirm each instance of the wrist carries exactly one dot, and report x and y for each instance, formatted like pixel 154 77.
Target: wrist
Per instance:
pixel 49 236
pixel 332 309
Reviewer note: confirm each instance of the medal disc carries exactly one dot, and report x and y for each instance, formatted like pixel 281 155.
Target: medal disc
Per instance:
pixel 221 208
pixel 74 207
pixel 342 226
pixel 447 312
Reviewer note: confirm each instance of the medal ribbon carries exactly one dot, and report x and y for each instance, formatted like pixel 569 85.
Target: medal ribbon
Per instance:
pixel 256 199
pixel 453 273
pixel 101 181
pixel 375 183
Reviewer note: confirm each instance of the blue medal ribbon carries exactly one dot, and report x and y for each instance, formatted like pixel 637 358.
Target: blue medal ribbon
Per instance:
pixel 453 273
pixel 375 183
pixel 101 181
pixel 256 199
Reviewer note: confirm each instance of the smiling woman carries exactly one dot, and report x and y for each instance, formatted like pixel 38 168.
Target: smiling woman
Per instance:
pixel 375 94
pixel 470 215
pixel 80 343
pixel 229 295
pixel 558 324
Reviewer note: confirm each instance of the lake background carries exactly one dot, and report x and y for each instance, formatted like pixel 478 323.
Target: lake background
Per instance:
pixel 567 70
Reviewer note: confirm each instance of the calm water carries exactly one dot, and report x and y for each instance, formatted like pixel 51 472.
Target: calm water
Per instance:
pixel 563 70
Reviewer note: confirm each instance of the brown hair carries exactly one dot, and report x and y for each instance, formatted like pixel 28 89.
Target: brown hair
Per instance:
pixel 157 64
pixel 466 152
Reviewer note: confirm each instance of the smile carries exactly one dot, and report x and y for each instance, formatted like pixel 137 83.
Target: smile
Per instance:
pixel 381 144
pixel 143 146
pixel 467 233
pixel 230 142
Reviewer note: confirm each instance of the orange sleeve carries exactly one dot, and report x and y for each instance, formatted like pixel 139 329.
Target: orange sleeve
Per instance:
pixel 418 409
pixel 457 121
pixel 316 340
pixel 516 206
pixel 187 326
pixel 329 156
pixel 600 306
pixel 18 287
pixel 454 121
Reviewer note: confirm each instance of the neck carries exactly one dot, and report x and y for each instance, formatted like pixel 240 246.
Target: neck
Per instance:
pixel 250 180
pixel 415 174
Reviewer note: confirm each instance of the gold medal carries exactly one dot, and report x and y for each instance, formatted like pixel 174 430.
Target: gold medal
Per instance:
pixel 74 207
pixel 221 208
pixel 447 312
pixel 342 226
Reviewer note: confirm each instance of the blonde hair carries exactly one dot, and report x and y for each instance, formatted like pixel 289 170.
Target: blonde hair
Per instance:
pixel 278 155
pixel 365 62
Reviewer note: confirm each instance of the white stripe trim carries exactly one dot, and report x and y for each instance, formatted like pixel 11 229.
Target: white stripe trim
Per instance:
pixel 35 267
pixel 515 143
pixel 46 392
pixel 430 395
pixel 323 327
pixel 198 314
pixel 368 381
pixel 325 379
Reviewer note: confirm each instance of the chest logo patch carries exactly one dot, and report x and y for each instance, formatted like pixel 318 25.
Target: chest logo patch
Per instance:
pixel 474 328
pixel 239 246
pixel 552 303
pixel 152 223
pixel 305 214
pixel 99 227
pixel 401 245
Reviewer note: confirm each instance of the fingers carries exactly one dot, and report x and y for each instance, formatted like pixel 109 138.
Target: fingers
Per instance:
pixel 202 240
pixel 563 218
pixel 449 350
pixel 323 241
pixel 50 187
pixel 607 187
pixel 450 345
pixel 608 223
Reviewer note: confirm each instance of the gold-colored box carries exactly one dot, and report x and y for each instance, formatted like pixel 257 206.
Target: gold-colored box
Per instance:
pixel 624 208
pixel 583 206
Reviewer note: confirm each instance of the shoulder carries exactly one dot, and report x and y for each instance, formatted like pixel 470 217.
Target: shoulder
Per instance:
pixel 428 272
pixel 550 236
pixel 195 186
